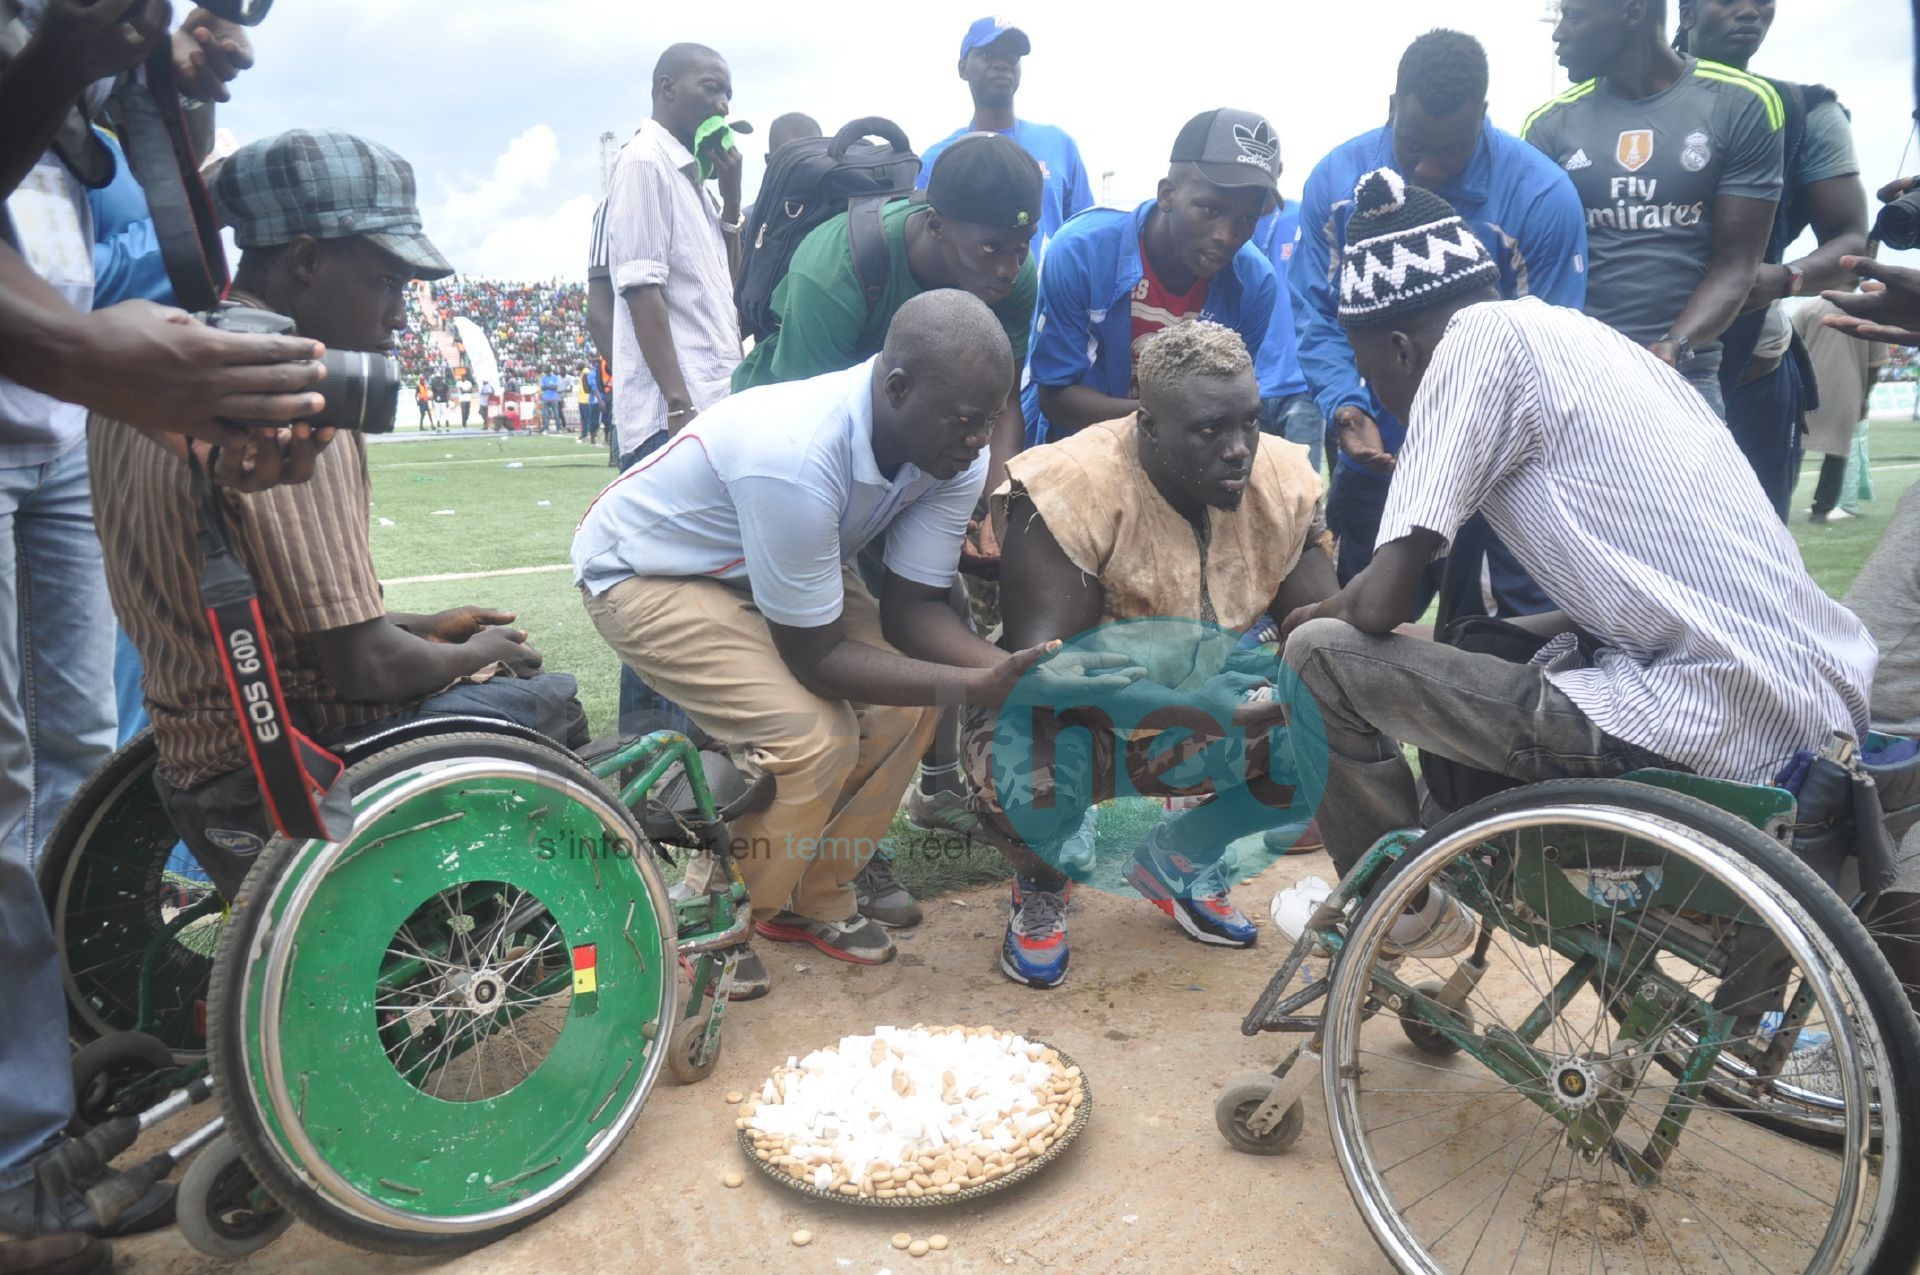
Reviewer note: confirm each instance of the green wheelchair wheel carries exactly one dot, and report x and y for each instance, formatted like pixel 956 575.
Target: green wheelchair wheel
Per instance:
pixel 427 1035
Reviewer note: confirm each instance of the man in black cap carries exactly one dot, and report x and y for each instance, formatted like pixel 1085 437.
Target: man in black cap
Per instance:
pixel 971 231
pixel 1689 634
pixel 1114 278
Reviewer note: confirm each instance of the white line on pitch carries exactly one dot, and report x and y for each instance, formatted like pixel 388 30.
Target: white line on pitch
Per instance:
pixel 446 576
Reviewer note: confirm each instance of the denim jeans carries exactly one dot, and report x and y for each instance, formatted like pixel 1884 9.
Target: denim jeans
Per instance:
pixel 1296 418
pixel 56 726
pixel 1376 693
pixel 643 709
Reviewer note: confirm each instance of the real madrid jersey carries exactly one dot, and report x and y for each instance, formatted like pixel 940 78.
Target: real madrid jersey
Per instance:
pixel 1648 172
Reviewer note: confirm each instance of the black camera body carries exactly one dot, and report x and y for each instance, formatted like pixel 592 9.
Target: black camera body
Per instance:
pixel 1898 225
pixel 362 388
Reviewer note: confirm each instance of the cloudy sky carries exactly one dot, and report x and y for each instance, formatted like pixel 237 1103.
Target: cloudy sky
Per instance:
pixel 500 104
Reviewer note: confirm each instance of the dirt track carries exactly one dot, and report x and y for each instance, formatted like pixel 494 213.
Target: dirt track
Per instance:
pixel 1154 1019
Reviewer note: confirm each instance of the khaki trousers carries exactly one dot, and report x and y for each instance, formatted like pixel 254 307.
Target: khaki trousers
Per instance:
pixel 842 767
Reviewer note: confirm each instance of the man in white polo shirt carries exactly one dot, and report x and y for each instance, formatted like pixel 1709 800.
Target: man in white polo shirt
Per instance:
pixel 721 570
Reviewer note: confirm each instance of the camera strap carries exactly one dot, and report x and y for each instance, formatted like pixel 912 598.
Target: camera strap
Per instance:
pixel 154 135
pixel 301 784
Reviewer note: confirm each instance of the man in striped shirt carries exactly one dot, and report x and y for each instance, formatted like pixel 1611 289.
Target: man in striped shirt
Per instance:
pixel 1691 634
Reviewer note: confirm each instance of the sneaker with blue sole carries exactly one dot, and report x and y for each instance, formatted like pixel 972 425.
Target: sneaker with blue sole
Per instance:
pixel 1035 949
pixel 1193 894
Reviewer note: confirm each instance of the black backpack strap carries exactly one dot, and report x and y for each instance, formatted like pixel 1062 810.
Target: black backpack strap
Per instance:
pixel 868 238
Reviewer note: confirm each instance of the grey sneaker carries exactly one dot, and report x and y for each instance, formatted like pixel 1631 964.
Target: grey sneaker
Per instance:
pixel 881 896
pixel 750 978
pixel 855 939
pixel 942 811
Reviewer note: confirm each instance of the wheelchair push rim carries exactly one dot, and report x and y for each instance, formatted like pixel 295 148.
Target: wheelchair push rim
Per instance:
pixel 447 1020
pixel 1576 1159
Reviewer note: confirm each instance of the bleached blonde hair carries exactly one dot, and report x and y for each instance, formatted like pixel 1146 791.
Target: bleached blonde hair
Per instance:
pixel 1198 347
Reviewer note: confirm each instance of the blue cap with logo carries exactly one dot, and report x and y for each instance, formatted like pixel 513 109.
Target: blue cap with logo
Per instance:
pixel 987 30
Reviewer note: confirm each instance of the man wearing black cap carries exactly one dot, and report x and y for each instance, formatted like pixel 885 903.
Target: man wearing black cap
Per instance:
pixel 330 237
pixel 1114 278
pixel 1687 634
pixel 990 56
pixel 972 231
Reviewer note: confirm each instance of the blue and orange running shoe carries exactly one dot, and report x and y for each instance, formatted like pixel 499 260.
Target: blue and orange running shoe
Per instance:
pixel 1193 894
pixel 1035 950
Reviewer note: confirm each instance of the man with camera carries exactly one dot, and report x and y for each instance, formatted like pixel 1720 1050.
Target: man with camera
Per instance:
pixel 331 241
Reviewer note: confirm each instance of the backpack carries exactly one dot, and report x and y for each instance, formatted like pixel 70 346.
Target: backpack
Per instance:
pixel 808 181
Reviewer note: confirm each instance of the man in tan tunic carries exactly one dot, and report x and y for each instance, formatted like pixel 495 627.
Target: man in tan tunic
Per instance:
pixel 1163 535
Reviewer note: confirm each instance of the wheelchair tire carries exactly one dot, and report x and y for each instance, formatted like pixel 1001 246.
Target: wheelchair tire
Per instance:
pixel 118 1075
pixel 1588 1104
pixel 495 922
pixel 103 874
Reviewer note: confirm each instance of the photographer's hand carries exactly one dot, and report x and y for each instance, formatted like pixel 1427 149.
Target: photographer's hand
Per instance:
pixel 157 368
pixel 1886 309
pixel 260 458
pixel 208 52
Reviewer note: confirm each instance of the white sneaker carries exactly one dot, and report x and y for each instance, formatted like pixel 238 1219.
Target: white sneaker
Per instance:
pixel 1443 928
pixel 1294 906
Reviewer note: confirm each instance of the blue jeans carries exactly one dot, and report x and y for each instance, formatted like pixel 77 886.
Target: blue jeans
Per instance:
pixel 643 709
pixel 56 726
pixel 1296 418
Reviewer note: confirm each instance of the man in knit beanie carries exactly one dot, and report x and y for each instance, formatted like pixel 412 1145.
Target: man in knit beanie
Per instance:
pixel 1688 633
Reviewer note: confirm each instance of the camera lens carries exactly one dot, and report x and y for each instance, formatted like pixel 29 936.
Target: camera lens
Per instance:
pixel 1898 226
pixel 362 391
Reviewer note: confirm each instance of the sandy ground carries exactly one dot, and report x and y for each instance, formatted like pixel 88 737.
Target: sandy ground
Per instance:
pixel 1153 1017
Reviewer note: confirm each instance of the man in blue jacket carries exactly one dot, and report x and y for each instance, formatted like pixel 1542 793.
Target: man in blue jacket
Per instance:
pixel 1527 214
pixel 1114 278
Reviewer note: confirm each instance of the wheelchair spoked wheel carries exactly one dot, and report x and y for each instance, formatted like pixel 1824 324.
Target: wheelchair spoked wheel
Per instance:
pixel 131 914
pixel 427 1035
pixel 1627 950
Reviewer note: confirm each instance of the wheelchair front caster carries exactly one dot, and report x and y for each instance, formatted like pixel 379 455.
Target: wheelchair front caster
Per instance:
pixel 118 1075
pixel 1234 1110
pixel 222 1209
pixel 688 1056
pixel 1424 1036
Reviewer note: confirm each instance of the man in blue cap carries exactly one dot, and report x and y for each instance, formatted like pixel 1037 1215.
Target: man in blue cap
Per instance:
pixel 990 56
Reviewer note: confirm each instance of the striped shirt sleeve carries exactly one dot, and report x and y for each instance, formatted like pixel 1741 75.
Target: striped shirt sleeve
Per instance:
pixel 597 267
pixel 1474 421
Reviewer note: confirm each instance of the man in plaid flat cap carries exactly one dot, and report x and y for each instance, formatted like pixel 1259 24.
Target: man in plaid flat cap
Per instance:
pixel 331 237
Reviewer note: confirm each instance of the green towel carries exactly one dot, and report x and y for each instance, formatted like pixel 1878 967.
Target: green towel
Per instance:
pixel 710 127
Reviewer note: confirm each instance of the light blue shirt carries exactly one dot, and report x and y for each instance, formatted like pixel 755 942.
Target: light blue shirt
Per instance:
pixel 1278 363
pixel 777 486
pixel 1066 189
